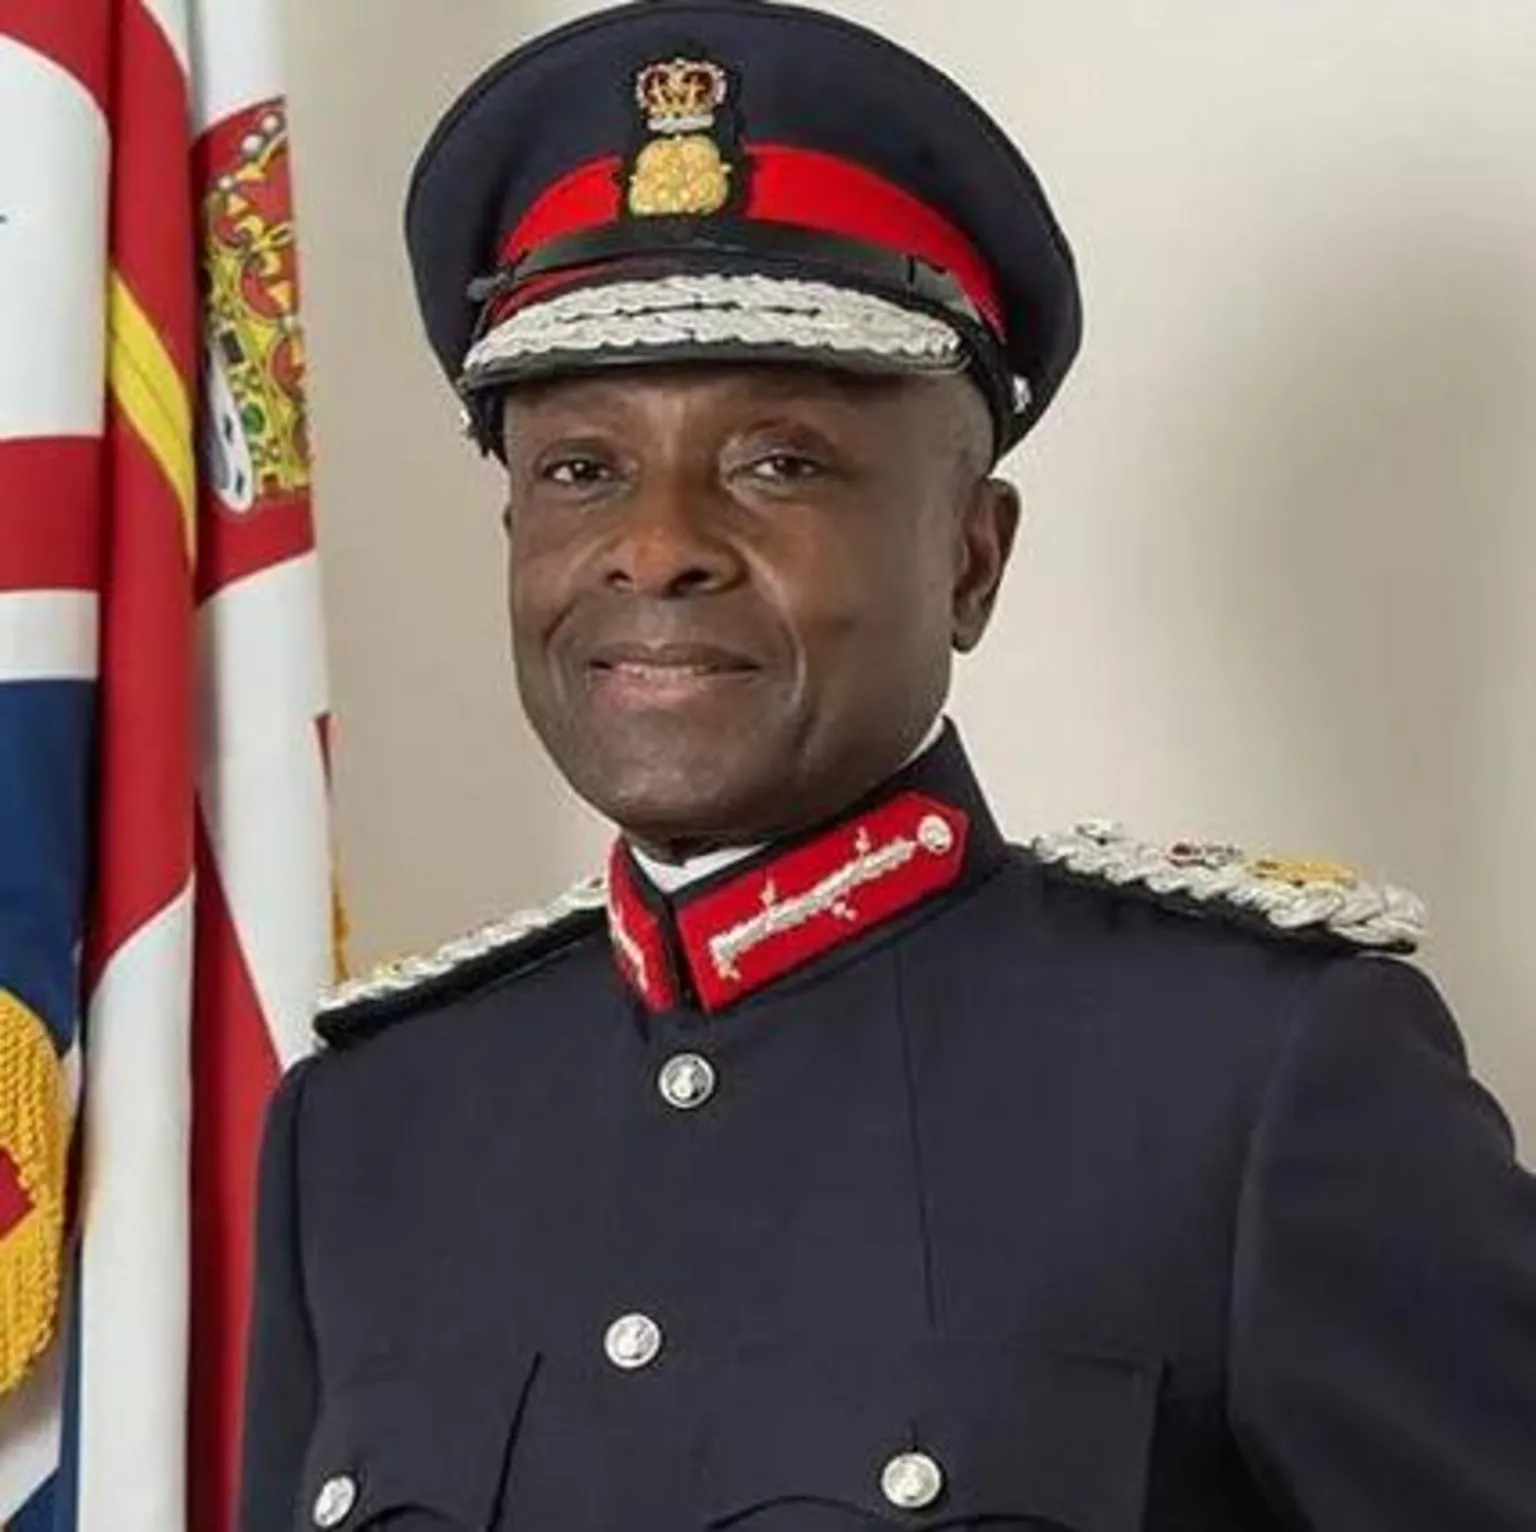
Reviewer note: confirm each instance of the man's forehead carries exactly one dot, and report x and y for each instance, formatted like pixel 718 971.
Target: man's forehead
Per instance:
pixel 748 382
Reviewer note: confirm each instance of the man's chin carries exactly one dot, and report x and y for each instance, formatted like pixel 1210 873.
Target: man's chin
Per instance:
pixel 687 788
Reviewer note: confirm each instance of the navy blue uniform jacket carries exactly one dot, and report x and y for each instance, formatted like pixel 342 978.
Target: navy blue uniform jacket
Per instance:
pixel 1121 1219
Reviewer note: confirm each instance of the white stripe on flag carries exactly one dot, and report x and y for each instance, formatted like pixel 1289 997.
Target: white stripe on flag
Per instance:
pixel 29 1433
pixel 237 58
pixel 48 635
pixel 261 654
pixel 133 1280
pixel 53 194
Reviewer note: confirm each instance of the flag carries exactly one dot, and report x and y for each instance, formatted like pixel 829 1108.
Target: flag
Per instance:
pixel 166 909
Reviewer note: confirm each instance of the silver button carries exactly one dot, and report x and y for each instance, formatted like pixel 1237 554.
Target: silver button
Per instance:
pixel 935 835
pixel 335 1501
pixel 912 1481
pixel 687 1081
pixel 633 1342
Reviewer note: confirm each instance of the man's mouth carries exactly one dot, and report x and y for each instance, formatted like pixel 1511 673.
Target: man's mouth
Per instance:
pixel 664 675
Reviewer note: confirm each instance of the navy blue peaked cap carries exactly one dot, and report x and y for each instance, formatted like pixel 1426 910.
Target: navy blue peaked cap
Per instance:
pixel 724 179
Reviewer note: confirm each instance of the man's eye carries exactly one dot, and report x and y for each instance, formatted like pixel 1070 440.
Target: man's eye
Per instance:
pixel 784 467
pixel 576 472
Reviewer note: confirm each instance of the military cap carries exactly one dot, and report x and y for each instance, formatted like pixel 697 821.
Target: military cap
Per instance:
pixel 682 180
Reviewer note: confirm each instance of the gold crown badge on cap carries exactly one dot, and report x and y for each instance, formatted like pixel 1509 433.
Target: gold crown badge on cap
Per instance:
pixel 683 169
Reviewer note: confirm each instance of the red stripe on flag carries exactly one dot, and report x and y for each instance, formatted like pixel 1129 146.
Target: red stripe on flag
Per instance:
pixel 152 182
pixel 144 837
pixel 232 545
pixel 144 792
pixel 234 1070
pixel 75 36
pixel 50 513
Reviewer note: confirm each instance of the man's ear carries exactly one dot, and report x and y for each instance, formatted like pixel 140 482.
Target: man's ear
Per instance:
pixel 984 543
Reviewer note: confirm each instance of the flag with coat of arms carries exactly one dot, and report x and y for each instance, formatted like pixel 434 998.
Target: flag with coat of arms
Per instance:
pixel 166 905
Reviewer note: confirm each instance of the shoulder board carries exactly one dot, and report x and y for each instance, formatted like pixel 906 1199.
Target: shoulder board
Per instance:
pixel 1321 902
pixel 360 1008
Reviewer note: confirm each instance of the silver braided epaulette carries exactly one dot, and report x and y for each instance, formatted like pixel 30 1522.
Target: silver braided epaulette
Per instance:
pixel 1291 896
pixel 402 975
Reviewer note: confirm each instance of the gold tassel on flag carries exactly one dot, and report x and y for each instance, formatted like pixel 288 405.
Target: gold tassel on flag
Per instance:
pixel 34 1144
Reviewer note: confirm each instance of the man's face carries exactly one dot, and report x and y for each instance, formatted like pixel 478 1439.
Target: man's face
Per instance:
pixel 735 590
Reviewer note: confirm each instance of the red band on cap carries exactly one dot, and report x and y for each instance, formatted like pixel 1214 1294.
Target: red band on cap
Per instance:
pixel 803 187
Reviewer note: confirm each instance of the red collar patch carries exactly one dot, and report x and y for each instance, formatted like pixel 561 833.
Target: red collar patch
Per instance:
pixel 638 937
pixel 786 909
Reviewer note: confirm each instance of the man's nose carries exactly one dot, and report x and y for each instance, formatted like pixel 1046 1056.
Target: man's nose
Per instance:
pixel 669 541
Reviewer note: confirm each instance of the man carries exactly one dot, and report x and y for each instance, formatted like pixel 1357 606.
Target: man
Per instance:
pixel 832 1163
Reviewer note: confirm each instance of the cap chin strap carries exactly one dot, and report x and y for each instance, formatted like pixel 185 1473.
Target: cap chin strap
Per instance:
pixel 811 253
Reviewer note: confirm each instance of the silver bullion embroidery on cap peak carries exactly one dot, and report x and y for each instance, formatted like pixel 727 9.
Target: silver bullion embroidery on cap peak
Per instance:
pixel 1291 895
pixel 401 975
pixel 717 310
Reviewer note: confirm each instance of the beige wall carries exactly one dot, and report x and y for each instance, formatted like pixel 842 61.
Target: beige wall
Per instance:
pixel 1280 582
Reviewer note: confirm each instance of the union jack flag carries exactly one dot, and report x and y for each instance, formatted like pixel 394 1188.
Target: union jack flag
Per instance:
pixel 166 909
